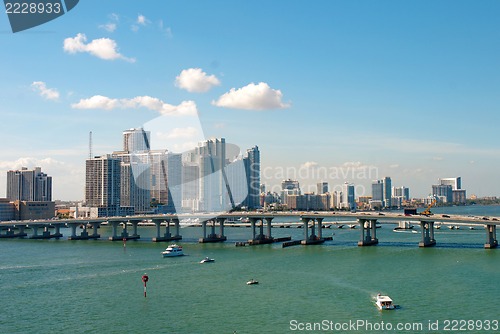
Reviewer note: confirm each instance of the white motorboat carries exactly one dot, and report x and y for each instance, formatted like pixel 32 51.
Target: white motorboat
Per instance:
pixel 384 303
pixel 173 250
pixel 252 281
pixel 207 260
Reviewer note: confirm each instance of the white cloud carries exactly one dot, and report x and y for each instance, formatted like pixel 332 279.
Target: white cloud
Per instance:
pixel 109 27
pixel 195 80
pixel 252 97
pixel 309 164
pixel 46 93
pixel 103 48
pixel 29 162
pixel 186 108
pixel 142 20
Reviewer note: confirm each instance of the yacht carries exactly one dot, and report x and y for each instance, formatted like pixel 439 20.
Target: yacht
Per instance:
pixel 173 250
pixel 384 303
pixel 206 260
pixel 252 281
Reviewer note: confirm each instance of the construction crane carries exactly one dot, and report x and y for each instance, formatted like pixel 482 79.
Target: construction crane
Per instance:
pixel 427 211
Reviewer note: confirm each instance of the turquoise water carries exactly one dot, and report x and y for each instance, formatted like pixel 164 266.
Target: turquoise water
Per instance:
pixel 94 286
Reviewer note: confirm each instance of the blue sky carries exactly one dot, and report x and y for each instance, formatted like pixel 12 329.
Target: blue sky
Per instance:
pixel 407 89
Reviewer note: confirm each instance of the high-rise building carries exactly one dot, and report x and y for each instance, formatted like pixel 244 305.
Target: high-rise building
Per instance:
pixel 387 191
pixel 454 182
pixel 252 169
pixel 378 191
pixel 402 192
pixel 321 188
pixel 458 195
pixel 382 191
pixel 348 196
pixel 135 140
pixel 29 185
pixel 289 187
pixel 443 191
pixel 102 184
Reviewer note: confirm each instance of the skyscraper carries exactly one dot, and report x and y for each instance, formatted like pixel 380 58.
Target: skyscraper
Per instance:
pixel 387 191
pixel 102 184
pixel 348 196
pixel 321 188
pixel 29 185
pixel 454 182
pixel 136 140
pixel 382 191
pixel 252 169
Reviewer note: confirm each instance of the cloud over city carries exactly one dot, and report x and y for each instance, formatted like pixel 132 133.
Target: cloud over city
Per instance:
pixel 185 108
pixel 252 97
pixel 103 48
pixel 194 80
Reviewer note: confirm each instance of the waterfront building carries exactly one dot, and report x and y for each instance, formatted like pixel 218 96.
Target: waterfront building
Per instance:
pixel 252 170
pixel 289 187
pixel 443 192
pixel 321 188
pixel 378 191
pixel 454 182
pixel 137 139
pixel 382 191
pixel 29 185
pixel 402 192
pixel 102 185
pixel 458 194
pixel 32 210
pixel 387 191
pixel 7 210
pixel 348 198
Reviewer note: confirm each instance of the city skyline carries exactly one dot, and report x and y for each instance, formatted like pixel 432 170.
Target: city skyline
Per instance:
pixel 403 90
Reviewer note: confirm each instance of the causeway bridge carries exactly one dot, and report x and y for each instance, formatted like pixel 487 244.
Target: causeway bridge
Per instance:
pixel 260 222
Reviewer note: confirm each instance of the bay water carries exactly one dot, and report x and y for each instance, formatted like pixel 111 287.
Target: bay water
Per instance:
pixel 94 286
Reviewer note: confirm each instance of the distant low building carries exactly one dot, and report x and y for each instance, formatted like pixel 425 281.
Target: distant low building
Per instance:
pixel 26 210
pixel 7 210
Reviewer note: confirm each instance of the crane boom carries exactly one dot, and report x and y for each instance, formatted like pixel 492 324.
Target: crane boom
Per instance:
pixel 427 211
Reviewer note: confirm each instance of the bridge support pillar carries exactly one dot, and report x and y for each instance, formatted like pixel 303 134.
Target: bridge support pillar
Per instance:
pixel 312 239
pixel 368 232
pixel 427 234
pixel 57 234
pixel 263 237
pixel 73 231
pixel 491 237
pixel 269 220
pixel 177 229
pixel 95 227
pixel 167 236
pixel 213 237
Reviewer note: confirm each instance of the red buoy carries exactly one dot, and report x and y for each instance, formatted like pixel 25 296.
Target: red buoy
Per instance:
pixel 145 279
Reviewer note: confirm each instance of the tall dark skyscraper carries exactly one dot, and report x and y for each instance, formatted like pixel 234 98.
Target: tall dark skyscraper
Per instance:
pixel 252 170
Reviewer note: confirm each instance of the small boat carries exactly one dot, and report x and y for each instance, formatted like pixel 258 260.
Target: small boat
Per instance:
pixel 384 303
pixel 252 281
pixel 173 250
pixel 206 260
pixel 353 226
